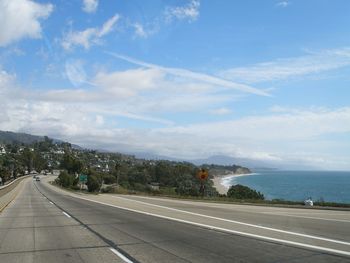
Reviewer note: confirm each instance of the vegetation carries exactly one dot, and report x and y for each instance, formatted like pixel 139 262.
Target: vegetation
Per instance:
pixel 65 179
pixel 93 183
pixel 243 192
pixel 120 173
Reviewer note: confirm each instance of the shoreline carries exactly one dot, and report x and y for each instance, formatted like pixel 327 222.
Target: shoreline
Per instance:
pixel 219 181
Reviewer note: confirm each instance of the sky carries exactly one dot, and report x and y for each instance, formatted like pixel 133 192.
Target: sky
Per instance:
pixel 263 80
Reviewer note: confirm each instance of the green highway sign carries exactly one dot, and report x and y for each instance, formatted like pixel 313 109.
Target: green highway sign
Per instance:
pixel 83 178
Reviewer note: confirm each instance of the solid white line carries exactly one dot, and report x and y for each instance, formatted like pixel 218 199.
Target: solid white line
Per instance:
pixel 307 213
pixel 66 214
pixel 283 241
pixel 238 222
pixel 315 218
pixel 120 255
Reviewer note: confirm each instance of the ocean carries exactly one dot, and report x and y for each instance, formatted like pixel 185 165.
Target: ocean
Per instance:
pixel 297 185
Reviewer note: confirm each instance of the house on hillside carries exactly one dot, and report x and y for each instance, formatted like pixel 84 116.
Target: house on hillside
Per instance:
pixel 2 150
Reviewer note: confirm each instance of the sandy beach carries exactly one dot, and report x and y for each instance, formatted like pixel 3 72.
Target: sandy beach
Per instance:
pixel 220 186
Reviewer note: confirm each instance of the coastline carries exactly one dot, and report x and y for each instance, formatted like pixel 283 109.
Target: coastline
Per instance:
pixel 221 181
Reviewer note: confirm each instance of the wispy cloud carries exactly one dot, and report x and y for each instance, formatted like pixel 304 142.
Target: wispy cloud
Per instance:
pixel 91 118
pixel 75 72
pixel 90 6
pixel 201 77
pixel 145 31
pixel 221 111
pixel 140 31
pixel 21 19
pixel 89 36
pixel 189 12
pixel 280 69
pixel 283 4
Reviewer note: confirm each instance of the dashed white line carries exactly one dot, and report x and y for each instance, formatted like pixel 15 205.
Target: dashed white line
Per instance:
pixel 120 255
pixel 66 214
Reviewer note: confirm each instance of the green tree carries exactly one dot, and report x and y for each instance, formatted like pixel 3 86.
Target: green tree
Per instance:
pixel 71 164
pixel 243 192
pixel 93 183
pixel 26 158
pixel 65 179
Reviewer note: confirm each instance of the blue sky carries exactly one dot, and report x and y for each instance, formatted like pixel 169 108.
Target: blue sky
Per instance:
pixel 263 80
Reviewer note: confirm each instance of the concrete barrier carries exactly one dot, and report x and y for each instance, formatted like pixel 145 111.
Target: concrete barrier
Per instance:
pixel 8 193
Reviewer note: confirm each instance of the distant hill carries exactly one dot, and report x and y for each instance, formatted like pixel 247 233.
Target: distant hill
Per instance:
pixel 14 137
pixel 7 137
pixel 229 160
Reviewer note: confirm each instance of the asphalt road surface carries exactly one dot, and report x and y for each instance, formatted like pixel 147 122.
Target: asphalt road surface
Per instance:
pixel 46 224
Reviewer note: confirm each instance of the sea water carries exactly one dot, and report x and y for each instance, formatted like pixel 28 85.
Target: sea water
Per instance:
pixel 297 185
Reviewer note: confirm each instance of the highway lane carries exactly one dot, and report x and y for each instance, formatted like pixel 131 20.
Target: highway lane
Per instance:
pixel 325 223
pixel 34 230
pixel 148 238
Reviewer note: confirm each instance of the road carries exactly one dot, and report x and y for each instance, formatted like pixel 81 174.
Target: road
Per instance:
pixel 47 224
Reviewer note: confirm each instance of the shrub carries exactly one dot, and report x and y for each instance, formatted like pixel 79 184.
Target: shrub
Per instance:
pixel 93 184
pixel 65 179
pixel 243 192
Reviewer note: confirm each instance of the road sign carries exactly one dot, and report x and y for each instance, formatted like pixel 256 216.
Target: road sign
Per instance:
pixel 202 174
pixel 83 178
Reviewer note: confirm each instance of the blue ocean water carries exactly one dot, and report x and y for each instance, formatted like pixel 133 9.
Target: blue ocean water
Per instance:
pixel 299 185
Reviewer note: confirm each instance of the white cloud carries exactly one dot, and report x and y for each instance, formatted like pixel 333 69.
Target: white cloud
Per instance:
pixel 283 4
pixel 290 67
pixel 96 117
pixel 221 111
pixel 290 125
pixel 205 78
pixel 107 27
pixel 6 80
pixel 189 12
pixel 128 83
pixel 21 19
pixel 75 72
pixel 139 30
pixel 90 36
pixel 90 6
pixel 143 31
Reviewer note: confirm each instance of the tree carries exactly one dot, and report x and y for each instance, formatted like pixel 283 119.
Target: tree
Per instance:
pixel 39 162
pixel 243 192
pixel 71 164
pixel 65 179
pixel 93 183
pixel 27 159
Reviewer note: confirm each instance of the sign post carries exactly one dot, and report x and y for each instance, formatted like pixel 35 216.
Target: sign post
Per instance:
pixel 82 179
pixel 202 175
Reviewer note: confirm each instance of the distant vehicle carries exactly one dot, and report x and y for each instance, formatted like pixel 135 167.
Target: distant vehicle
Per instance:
pixel 309 202
pixel 37 179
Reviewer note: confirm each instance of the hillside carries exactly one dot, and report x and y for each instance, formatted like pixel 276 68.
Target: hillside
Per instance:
pixel 7 137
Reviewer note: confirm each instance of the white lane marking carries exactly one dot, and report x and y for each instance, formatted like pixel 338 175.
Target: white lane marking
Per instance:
pixel 308 213
pixel 50 202
pixel 240 223
pixel 247 208
pixel 66 214
pixel 311 217
pixel 120 255
pixel 283 241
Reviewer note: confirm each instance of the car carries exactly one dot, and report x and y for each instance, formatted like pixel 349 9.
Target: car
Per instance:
pixel 37 179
